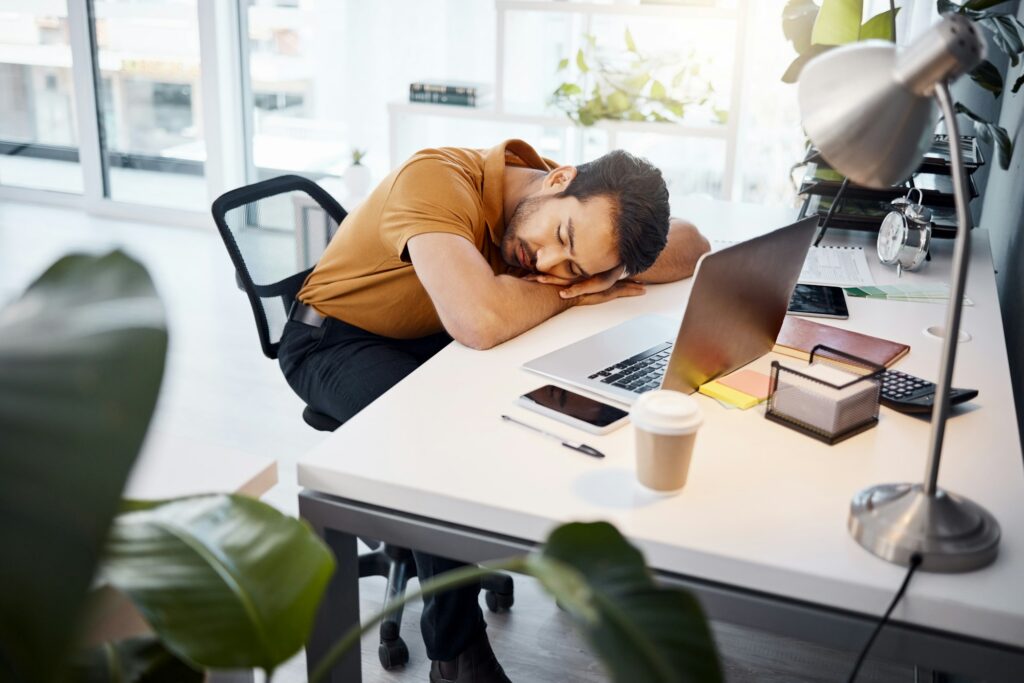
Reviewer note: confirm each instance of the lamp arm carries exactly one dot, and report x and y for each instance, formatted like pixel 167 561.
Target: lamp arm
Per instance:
pixel 961 255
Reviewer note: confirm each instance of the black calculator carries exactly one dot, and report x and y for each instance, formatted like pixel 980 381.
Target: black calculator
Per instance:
pixel 909 394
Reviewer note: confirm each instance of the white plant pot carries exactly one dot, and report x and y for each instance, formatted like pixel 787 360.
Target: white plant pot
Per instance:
pixel 357 180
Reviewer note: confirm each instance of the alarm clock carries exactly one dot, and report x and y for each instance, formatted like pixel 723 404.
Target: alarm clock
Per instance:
pixel 905 234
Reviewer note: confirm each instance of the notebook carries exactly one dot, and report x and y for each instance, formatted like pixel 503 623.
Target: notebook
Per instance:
pixel 798 336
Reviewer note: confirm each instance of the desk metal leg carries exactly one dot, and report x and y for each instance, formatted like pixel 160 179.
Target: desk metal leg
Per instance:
pixel 339 610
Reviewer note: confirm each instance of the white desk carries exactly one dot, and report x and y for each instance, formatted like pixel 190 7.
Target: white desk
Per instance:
pixel 760 530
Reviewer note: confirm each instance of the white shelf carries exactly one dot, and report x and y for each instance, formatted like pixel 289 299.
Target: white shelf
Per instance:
pixel 717 131
pixel 619 9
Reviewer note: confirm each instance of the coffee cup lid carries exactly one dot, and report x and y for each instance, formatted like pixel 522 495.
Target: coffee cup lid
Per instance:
pixel 666 412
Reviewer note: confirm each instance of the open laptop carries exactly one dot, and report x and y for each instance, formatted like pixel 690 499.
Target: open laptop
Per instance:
pixel 736 308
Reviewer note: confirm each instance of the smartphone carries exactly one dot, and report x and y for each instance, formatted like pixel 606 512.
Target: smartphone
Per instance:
pixel 818 301
pixel 574 410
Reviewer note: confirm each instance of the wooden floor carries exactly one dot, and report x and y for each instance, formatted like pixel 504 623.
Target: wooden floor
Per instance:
pixel 220 389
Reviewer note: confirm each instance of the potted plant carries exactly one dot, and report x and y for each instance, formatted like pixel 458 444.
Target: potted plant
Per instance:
pixel 814 30
pixel 81 361
pixel 357 176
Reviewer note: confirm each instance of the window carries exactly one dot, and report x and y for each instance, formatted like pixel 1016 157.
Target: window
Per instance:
pixel 322 73
pixel 149 101
pixel 38 125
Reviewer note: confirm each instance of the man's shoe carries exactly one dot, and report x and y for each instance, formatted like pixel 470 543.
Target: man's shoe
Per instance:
pixel 476 664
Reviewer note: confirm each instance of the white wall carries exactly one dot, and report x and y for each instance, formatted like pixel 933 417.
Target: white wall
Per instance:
pixel 1003 215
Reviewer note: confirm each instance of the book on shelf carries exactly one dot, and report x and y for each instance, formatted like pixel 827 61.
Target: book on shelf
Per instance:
pixel 459 93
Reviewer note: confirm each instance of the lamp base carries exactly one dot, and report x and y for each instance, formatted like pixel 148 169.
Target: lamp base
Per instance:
pixel 950 533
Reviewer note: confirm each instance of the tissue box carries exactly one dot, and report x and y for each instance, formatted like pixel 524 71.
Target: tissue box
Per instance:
pixel 826 399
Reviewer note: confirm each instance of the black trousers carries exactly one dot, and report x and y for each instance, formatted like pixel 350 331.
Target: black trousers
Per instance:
pixel 338 369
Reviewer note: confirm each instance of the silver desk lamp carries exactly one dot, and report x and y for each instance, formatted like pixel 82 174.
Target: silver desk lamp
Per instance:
pixel 870 109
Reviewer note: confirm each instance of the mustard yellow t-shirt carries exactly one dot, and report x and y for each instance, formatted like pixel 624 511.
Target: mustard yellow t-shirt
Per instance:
pixel 365 276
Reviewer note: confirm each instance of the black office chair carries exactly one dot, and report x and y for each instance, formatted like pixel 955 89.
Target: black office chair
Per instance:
pixel 261 224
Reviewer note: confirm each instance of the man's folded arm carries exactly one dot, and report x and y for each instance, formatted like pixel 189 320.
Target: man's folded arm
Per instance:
pixel 679 258
pixel 477 307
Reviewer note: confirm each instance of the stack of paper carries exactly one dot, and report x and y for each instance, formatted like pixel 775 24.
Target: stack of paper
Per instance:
pixel 836 266
pixel 934 293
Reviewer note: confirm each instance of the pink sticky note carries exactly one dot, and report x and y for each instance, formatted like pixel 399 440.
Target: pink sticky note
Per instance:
pixel 750 382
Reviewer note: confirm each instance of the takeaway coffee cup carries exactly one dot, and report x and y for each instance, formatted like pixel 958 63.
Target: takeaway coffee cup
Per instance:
pixel 666 424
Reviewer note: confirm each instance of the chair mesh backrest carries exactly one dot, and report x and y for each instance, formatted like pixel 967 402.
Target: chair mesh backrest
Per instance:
pixel 275 231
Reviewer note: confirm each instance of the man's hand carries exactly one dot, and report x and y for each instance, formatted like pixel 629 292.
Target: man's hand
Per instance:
pixel 577 288
pixel 618 289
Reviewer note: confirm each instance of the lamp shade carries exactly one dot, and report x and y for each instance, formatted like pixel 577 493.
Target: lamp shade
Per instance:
pixel 870 109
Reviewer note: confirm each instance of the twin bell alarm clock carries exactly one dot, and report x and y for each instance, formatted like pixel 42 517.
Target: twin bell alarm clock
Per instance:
pixel 906 233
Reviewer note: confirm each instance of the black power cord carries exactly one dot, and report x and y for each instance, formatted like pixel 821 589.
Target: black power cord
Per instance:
pixel 836 201
pixel 915 562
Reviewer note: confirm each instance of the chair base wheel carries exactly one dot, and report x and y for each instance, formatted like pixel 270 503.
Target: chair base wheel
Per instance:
pixel 393 653
pixel 499 602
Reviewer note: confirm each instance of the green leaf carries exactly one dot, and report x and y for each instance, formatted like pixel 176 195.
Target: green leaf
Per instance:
pixel 640 631
pixel 1005 35
pixel 630 45
pixel 581 61
pixel 637 82
pixel 568 89
pixel 793 70
pixel 657 90
pixel 838 22
pixel 988 77
pixel 991 134
pixel 618 102
pixel 1017 84
pixel 81 359
pixel 135 660
pixel 879 26
pixel 721 115
pixel 798 21
pixel 562 64
pixel 227 582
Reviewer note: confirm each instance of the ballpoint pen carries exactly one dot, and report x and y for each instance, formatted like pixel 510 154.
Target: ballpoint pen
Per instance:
pixel 575 445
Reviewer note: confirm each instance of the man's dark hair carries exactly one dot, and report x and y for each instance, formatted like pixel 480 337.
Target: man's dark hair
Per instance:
pixel 640 197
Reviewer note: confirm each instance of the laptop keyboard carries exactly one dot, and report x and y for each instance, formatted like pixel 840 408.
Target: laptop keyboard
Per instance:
pixel 640 373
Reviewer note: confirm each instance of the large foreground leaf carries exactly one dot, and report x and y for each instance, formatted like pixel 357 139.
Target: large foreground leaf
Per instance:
pixel 640 631
pixel 133 660
pixel 226 581
pixel 81 358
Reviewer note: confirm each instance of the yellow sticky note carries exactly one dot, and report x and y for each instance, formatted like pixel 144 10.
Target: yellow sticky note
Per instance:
pixel 720 392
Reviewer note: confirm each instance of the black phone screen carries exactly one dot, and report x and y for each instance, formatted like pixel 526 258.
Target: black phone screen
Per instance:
pixel 572 404
pixel 819 300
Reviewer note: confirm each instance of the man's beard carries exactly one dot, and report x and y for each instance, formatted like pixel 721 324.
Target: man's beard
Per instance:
pixel 510 240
